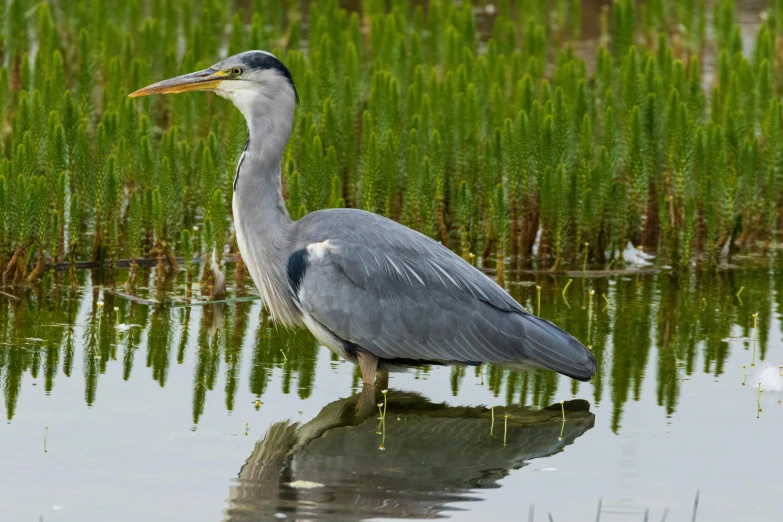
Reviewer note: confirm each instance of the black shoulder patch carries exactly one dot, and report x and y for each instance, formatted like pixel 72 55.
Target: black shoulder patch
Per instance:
pixel 296 269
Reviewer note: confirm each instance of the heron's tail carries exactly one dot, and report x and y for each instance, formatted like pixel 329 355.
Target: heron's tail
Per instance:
pixel 558 350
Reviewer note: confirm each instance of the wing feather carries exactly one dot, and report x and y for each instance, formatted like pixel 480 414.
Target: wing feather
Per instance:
pixel 400 295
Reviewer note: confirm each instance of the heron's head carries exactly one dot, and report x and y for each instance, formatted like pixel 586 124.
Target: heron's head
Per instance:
pixel 252 79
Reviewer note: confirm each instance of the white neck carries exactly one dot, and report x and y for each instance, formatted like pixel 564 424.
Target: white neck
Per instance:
pixel 262 223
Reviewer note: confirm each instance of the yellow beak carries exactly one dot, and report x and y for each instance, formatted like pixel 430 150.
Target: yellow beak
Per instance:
pixel 197 81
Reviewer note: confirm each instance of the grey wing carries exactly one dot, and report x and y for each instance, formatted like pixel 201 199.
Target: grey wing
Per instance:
pixel 404 297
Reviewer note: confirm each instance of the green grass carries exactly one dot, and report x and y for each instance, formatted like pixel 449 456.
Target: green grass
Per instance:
pixel 479 138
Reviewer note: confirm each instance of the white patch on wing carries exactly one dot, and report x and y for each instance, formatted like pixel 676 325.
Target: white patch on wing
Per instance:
pixel 317 251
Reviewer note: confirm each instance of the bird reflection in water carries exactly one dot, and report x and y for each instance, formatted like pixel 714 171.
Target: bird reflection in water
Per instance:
pixel 331 468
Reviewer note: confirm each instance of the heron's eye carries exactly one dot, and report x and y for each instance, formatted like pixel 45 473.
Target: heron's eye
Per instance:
pixel 236 71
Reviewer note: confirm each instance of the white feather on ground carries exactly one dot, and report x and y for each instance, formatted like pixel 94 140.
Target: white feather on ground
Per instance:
pixel 636 257
pixel 724 251
pixel 537 242
pixel 219 288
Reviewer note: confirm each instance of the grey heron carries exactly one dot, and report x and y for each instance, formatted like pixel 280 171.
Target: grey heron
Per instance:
pixel 373 291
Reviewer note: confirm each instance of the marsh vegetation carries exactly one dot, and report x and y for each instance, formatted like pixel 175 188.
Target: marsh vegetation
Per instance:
pixel 491 128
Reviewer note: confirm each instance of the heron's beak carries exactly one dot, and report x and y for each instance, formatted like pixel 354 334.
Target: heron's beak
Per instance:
pixel 197 81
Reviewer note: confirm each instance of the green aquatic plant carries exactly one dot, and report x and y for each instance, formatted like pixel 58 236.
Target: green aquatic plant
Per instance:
pixel 538 300
pixel 465 217
pixel 415 112
pixel 39 225
pixel 187 253
pixel 565 288
pixel 133 232
pixel 500 225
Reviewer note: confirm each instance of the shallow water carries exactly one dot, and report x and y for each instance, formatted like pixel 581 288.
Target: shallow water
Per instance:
pixel 160 420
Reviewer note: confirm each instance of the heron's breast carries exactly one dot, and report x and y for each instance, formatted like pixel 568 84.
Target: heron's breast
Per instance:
pixel 242 241
pixel 324 336
pixel 271 286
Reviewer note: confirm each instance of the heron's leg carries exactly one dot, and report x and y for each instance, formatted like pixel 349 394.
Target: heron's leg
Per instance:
pixel 366 406
pixel 368 364
pixel 382 379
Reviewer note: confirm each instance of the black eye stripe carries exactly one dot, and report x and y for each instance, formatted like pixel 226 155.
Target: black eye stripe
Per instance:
pixel 259 61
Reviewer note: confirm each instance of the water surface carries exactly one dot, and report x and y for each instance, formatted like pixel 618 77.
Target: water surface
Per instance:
pixel 169 411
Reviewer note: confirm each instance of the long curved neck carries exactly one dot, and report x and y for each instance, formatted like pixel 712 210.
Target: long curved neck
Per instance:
pixel 269 121
pixel 258 183
pixel 262 223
